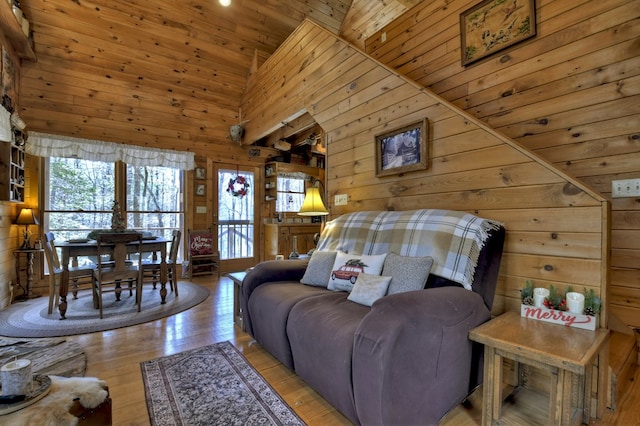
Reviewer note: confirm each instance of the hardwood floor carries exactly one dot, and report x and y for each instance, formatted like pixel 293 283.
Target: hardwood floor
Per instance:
pixel 115 357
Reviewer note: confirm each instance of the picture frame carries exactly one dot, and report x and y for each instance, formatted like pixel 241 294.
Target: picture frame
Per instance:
pixel 201 173
pixel 493 25
pixel 403 149
pixel 201 189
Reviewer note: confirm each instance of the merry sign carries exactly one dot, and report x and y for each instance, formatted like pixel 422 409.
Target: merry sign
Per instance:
pixel 569 319
pixel 201 244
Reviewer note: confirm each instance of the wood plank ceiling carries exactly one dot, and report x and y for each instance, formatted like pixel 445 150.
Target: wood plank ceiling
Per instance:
pixel 163 73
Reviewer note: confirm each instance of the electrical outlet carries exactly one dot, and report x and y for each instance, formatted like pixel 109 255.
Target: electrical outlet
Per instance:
pixel 340 200
pixel 383 37
pixel 625 188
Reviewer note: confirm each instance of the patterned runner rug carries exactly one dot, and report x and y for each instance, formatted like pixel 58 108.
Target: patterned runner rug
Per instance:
pixel 212 385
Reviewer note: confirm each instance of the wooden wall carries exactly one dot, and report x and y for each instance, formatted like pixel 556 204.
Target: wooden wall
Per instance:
pixel 557 227
pixel 10 234
pixel 571 95
pixel 365 17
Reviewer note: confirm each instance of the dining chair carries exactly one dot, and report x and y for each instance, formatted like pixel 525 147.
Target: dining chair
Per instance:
pixel 118 270
pixel 78 276
pixel 151 268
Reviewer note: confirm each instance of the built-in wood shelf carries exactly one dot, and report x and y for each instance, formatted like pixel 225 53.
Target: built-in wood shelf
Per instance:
pixel 12 30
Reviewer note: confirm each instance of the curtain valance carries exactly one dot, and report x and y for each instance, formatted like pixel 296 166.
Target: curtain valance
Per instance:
pixel 46 145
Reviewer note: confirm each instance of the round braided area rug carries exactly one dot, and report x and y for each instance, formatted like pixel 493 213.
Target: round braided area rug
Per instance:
pixel 30 318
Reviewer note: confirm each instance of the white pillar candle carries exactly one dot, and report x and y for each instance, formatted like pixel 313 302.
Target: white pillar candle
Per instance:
pixel 539 294
pixel 575 302
pixel 16 377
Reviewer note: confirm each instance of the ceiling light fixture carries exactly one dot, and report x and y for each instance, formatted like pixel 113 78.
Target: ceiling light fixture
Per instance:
pixel 225 3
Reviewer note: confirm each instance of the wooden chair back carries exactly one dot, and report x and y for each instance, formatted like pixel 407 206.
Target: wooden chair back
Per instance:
pixel 113 246
pixel 77 276
pixel 175 245
pixel 110 275
pixel 53 261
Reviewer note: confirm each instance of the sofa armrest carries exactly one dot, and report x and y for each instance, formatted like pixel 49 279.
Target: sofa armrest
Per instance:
pixel 415 343
pixel 269 271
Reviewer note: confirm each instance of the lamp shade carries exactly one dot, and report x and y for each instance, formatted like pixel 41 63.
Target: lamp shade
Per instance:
pixel 26 217
pixel 312 204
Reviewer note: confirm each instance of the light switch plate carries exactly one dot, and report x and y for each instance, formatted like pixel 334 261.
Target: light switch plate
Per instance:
pixel 625 188
pixel 340 200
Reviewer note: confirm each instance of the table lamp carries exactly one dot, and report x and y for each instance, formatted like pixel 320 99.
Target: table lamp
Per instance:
pixel 26 218
pixel 312 206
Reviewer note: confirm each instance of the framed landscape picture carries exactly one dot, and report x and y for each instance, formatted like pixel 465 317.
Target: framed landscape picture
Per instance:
pixel 493 25
pixel 402 150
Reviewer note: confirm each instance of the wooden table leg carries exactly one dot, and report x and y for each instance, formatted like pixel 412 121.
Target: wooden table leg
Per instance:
pixel 555 396
pixel 492 386
pixel 560 398
pixel 567 398
pixel 64 288
pixel 586 402
pixel 163 281
pixel 30 257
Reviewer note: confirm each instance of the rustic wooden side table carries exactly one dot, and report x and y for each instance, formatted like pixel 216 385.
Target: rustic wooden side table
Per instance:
pixel 27 268
pixel 565 352
pixel 237 278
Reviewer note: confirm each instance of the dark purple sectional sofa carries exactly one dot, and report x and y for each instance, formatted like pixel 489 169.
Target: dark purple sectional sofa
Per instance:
pixel 406 360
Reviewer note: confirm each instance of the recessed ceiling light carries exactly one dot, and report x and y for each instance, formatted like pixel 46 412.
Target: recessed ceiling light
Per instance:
pixel 225 3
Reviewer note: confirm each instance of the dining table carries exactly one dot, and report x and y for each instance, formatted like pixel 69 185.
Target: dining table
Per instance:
pixel 72 249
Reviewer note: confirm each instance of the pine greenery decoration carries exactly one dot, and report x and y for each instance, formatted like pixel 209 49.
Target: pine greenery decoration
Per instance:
pixel 526 294
pixel 555 300
pixel 592 303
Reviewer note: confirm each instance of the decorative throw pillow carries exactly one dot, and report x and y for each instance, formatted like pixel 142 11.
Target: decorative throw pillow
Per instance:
pixel 369 288
pixel 347 267
pixel 319 269
pixel 408 273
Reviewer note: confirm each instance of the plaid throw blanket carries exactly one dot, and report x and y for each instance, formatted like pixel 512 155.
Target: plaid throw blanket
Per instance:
pixel 453 238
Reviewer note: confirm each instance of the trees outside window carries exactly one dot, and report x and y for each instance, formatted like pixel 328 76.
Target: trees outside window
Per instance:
pixel 79 196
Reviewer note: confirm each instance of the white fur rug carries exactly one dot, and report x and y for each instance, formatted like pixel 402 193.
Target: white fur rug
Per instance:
pixel 53 409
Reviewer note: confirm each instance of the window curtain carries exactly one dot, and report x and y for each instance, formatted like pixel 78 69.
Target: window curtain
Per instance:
pixel 5 125
pixel 46 145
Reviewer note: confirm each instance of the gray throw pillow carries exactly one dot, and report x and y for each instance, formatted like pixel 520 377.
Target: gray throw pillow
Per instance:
pixel 369 288
pixel 407 273
pixel 319 268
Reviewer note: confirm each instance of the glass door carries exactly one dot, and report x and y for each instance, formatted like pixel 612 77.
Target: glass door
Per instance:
pixel 236 217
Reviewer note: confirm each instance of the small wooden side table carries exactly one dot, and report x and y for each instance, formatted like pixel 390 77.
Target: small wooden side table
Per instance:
pixel 27 292
pixel 237 278
pixel 563 351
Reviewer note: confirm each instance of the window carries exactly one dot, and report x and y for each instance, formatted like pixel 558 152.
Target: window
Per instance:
pixel 154 200
pixel 79 196
pixel 290 194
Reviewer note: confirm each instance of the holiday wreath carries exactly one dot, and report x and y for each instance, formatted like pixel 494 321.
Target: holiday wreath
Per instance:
pixel 238 186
